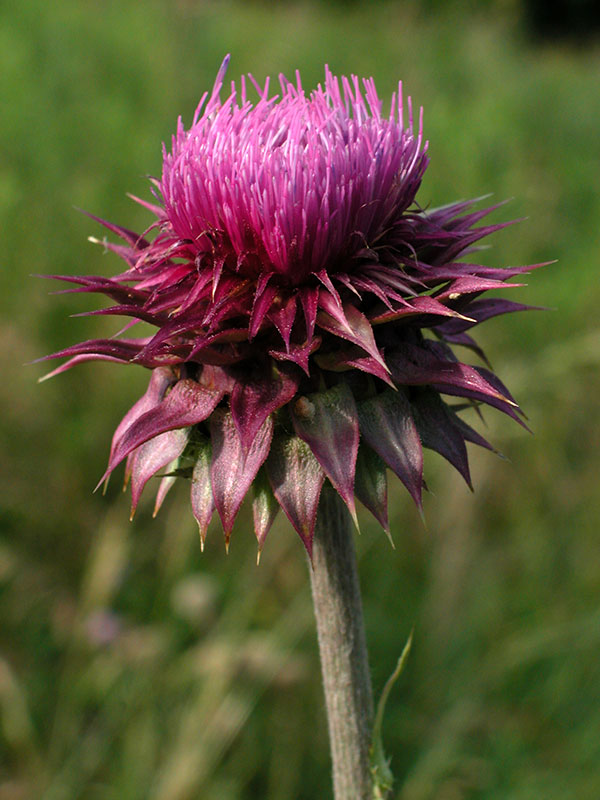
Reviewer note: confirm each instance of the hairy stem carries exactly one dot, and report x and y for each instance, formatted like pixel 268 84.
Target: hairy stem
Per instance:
pixel 344 661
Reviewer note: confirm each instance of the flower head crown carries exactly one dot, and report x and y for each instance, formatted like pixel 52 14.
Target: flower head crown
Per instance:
pixel 305 305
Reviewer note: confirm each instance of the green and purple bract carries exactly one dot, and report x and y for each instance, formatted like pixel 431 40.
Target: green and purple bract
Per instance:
pixel 305 305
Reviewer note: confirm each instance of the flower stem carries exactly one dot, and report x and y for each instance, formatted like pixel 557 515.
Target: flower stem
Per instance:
pixel 344 661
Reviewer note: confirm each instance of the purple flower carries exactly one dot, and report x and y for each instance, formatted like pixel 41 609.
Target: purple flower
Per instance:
pixel 305 305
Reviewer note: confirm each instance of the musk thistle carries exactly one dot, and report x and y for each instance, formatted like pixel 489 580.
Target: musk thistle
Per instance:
pixel 306 308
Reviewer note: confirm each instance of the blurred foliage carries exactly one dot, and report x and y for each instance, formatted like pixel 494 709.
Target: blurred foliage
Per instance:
pixel 134 667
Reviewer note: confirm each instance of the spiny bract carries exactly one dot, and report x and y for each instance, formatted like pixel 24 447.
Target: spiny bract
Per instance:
pixel 305 305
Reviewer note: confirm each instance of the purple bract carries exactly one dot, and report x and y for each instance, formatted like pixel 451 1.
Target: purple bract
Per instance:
pixel 305 306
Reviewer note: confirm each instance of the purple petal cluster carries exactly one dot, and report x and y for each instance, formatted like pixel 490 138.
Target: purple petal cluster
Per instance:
pixel 305 306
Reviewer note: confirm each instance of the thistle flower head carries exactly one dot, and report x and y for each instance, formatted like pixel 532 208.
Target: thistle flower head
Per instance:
pixel 305 308
pixel 291 186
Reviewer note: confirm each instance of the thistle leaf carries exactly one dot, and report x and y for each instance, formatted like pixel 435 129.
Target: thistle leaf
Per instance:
pixel 296 478
pixel 152 456
pixel 252 401
pixel 131 237
pixel 387 426
pixel 416 306
pixel 370 485
pixel 438 431
pixel 472 284
pixel 124 350
pixel 481 310
pixel 328 423
pixel 160 380
pixel 263 299
pixel 264 507
pixel 187 404
pixel 471 435
pixel 283 316
pixel 232 470
pixel 164 487
pixel 417 366
pixel 309 298
pixel 348 323
pixel 203 504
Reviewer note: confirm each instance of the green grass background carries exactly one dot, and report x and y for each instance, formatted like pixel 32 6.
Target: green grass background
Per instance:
pixel 132 666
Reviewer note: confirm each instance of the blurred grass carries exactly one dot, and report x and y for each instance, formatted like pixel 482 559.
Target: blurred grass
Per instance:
pixel 134 667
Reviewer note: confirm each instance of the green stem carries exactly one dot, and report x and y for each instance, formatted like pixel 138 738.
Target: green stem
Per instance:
pixel 342 646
